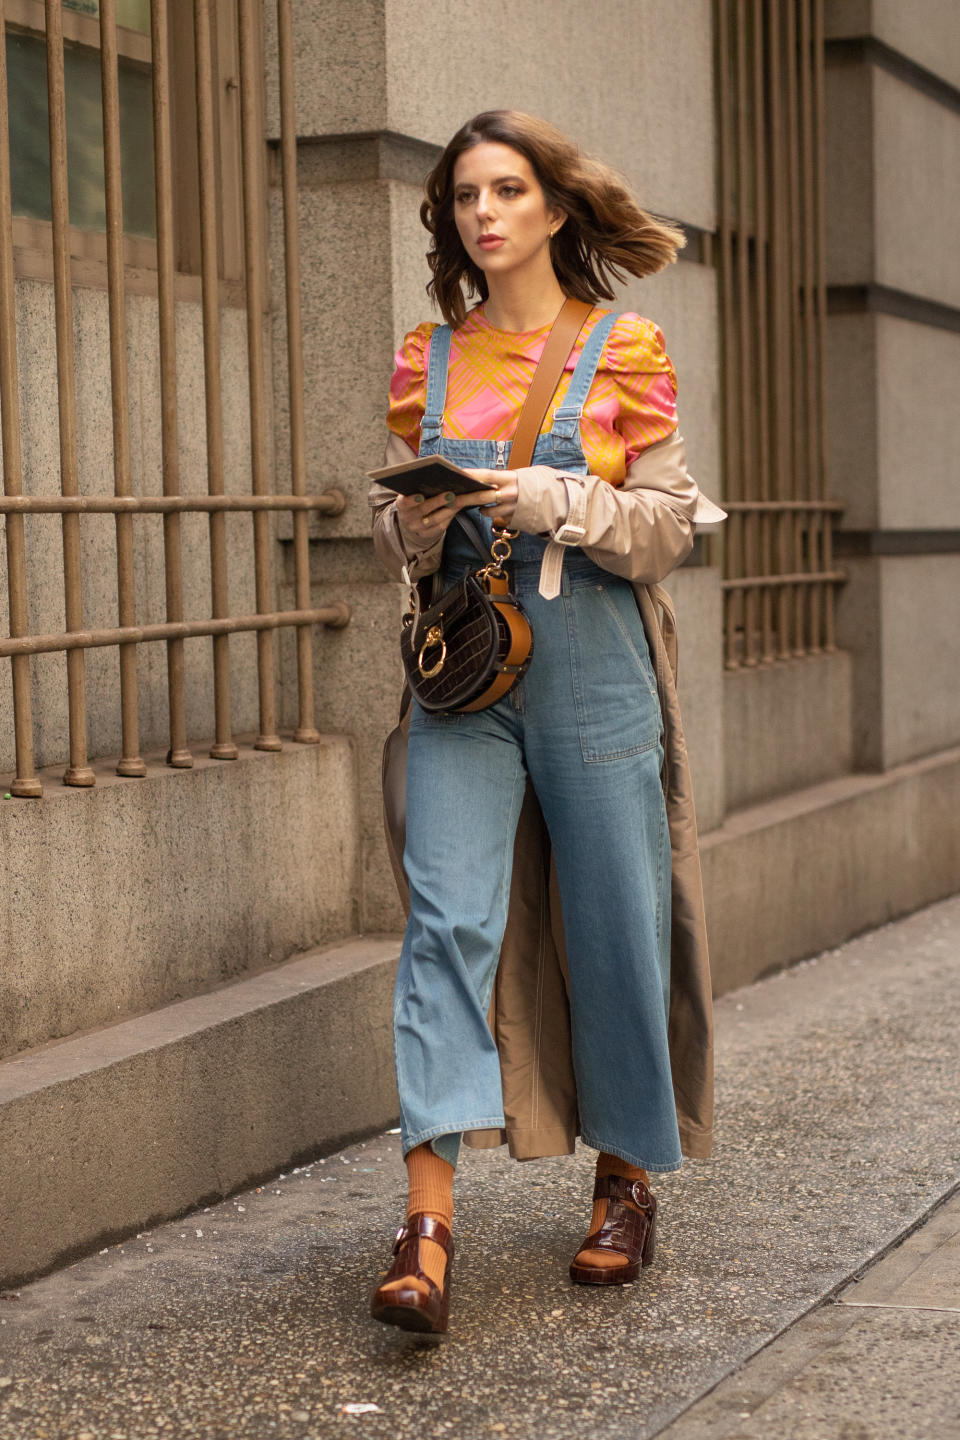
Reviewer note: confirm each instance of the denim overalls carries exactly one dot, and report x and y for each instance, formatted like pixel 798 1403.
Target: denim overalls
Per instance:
pixel 584 724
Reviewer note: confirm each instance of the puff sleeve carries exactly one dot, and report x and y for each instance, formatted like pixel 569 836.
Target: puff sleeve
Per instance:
pixel 408 397
pixel 408 386
pixel 645 381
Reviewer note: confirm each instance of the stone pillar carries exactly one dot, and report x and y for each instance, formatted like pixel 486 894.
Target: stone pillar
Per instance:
pixel 893 139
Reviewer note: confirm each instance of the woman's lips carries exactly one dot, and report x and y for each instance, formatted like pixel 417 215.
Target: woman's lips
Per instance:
pixel 489 242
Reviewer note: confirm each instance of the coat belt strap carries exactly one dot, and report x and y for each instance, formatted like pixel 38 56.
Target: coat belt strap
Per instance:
pixel 571 532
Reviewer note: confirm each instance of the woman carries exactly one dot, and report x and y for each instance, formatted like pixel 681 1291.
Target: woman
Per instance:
pixel 575 752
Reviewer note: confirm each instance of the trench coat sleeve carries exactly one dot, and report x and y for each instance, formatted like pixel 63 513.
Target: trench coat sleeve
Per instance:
pixel 641 529
pixel 395 549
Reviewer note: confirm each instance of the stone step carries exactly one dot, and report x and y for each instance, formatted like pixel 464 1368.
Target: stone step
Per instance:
pixel 112 1131
pixel 137 893
pixel 797 875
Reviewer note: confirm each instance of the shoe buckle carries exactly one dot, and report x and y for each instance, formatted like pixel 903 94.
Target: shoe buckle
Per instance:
pixel 401 1235
pixel 641 1195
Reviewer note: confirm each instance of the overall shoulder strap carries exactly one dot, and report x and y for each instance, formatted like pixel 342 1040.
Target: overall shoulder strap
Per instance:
pixel 438 363
pixel 583 375
pixel 556 352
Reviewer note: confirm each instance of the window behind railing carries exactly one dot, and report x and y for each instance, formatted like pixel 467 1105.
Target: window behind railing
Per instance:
pixel 29 117
pixel 134 160
pixel 779 578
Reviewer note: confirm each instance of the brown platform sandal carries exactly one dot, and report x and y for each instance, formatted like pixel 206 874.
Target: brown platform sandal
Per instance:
pixel 626 1231
pixel 411 1309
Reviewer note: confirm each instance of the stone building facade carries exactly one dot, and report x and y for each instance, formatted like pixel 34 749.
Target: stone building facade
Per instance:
pixel 196 964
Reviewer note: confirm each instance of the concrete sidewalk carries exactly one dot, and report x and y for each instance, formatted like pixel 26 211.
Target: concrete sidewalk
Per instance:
pixel 882 1359
pixel 838 1136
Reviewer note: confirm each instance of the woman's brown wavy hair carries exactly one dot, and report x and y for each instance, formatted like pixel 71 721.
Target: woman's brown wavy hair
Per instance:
pixel 605 237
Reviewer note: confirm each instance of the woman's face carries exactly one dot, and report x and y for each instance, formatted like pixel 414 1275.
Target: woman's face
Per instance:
pixel 500 209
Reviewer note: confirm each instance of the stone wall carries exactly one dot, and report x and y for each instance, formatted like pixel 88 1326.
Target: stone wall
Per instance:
pixel 893 122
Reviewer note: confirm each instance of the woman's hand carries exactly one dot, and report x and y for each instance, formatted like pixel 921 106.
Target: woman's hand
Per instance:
pixel 424 519
pixel 500 507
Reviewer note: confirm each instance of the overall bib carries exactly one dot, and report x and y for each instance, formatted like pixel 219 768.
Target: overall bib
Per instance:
pixel 584 725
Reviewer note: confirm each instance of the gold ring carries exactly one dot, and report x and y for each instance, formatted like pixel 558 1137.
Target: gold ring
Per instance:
pixel 434 639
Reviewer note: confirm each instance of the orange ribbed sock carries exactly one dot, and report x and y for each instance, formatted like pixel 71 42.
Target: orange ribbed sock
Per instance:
pixel 431 1193
pixel 608 1165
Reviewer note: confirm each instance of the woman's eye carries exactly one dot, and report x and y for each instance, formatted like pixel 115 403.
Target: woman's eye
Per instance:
pixel 463 197
pixel 510 190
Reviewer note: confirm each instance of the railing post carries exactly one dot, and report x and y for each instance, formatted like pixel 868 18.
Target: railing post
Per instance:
pixel 820 304
pixel 178 755
pixel 254 259
pixel 223 747
pixel 130 762
pixel 26 782
pixel 78 771
pixel 306 732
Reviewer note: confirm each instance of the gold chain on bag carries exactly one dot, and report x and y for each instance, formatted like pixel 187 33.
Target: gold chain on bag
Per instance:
pixel 500 552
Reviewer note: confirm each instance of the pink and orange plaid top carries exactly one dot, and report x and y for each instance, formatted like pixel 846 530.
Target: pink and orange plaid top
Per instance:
pixel 632 402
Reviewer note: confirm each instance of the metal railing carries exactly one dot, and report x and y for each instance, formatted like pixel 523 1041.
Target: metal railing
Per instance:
pixel 70 505
pixel 779 577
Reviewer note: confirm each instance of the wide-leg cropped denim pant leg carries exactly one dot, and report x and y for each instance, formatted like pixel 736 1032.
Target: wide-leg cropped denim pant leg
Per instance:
pixel 585 726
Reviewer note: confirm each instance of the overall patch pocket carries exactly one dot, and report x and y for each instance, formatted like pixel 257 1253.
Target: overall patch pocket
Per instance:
pixel 615 692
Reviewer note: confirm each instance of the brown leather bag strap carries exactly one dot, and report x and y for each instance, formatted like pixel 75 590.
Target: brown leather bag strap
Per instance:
pixel 556 352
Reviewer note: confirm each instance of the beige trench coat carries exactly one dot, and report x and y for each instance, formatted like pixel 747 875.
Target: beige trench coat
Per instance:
pixel 649 520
